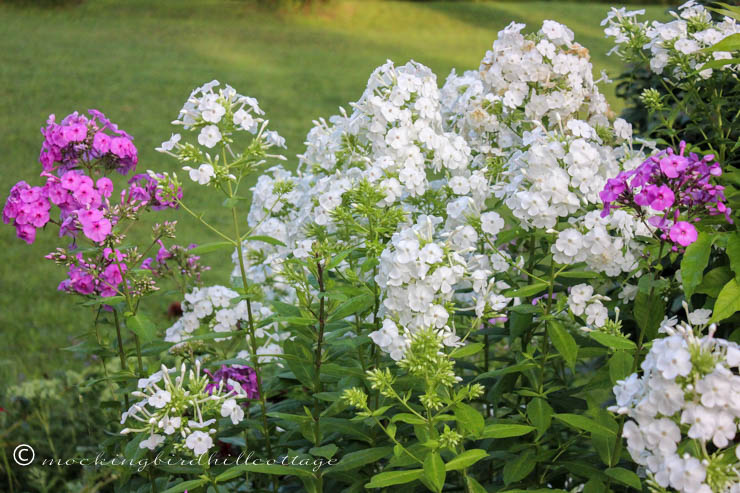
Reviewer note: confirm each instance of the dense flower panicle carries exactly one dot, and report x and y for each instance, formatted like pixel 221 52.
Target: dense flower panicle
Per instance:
pixel 671 191
pixel 690 390
pixel 221 380
pixel 71 149
pixel 534 117
pixel 78 140
pixel 674 48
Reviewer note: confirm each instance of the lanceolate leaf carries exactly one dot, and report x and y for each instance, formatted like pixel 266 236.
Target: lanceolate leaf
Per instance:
pixel 728 301
pixel 505 430
pixel 694 262
pixel 563 342
pixel 394 477
pixel 584 423
pixel 434 470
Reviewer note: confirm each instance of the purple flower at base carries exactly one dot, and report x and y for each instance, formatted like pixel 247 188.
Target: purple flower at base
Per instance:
pixel 244 375
pixel 543 297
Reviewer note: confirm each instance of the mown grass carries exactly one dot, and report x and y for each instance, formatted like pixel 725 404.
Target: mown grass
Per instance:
pixel 138 60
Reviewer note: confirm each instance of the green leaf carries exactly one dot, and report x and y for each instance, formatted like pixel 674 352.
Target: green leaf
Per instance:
pixel 355 460
pixel 720 63
pixel 649 312
pixel 394 477
pixel 327 451
pixel 539 413
pixel 212 247
pixel 474 486
pixel 519 468
pixel 338 259
pixel 409 418
pixel 733 251
pixel 358 304
pixel 694 262
pixel 467 350
pixel 505 430
pixel 140 325
pixel 730 43
pixel 469 419
pixel 583 423
pixel 728 301
pixel 517 368
pixel 266 239
pixel 272 469
pixel 563 342
pixel 603 444
pixel 612 341
pixel 594 486
pixel 186 485
pixel 466 459
pixel 434 470
pixel 347 427
pixel 302 363
pixel 527 290
pixel 620 365
pixel 715 280
pixel 624 476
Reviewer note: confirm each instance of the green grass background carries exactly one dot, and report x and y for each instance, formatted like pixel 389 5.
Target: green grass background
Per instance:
pixel 138 60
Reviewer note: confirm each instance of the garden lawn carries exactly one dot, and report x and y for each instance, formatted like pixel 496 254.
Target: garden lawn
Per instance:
pixel 137 61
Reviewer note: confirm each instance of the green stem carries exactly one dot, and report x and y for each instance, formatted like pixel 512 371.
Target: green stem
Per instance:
pixel 318 355
pixel 252 337
pixel 121 353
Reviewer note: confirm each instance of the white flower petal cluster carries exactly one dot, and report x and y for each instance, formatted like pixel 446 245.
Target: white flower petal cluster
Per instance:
pixel 529 130
pixel 218 308
pixel 182 409
pixel 419 275
pixel 674 48
pixel 689 391
pixel 533 115
pixel 584 302
pixel 216 114
pixel 606 244
pixel 394 137
pixel 209 103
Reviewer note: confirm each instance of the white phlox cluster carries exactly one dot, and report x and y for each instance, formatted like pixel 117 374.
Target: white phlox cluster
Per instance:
pixel 218 309
pixel 689 391
pixel 534 116
pixel 674 48
pixel 419 276
pixel 217 114
pixel 584 302
pixel 180 409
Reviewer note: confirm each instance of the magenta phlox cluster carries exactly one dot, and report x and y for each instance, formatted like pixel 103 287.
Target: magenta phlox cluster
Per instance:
pixel 672 191
pixel 102 276
pixel 72 150
pixel 78 140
